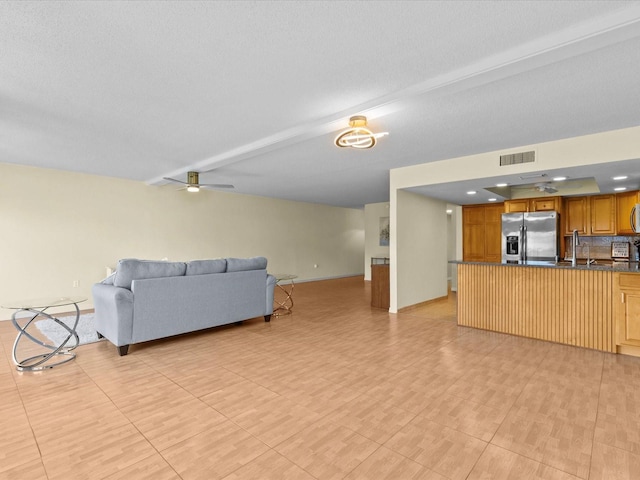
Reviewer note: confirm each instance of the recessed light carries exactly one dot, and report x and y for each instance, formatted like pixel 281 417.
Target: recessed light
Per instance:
pixel 620 189
pixel 501 184
pixel 620 177
pixel 559 179
pixel 449 211
pixel 493 199
pixel 471 192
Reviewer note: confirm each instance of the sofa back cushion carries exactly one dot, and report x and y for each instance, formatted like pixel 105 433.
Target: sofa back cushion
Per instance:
pixel 244 264
pixel 204 267
pixel 130 269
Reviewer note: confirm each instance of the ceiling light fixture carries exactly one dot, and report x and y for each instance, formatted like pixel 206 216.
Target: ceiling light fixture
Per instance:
pixel 493 200
pixel 358 136
pixel 620 189
pixel 501 184
pixel 471 192
pixel 559 179
pixel 193 188
pixel 621 177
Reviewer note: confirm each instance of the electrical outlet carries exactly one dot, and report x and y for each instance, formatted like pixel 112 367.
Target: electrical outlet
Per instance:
pixel 76 283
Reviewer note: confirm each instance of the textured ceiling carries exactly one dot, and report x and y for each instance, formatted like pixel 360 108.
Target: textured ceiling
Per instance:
pixel 254 92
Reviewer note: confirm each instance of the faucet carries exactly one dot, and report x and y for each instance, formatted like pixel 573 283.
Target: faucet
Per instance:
pixel 589 260
pixel 576 241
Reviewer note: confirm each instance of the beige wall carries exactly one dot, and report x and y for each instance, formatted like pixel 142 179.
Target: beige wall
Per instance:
pixel 372 248
pixel 58 227
pixel 454 243
pixel 593 149
pixel 421 223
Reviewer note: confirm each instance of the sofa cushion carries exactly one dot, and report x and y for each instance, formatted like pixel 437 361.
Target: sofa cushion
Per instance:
pixel 204 267
pixel 130 269
pixel 243 264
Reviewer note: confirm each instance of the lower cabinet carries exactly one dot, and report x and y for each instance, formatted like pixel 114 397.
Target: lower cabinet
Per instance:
pixel 380 288
pixel 626 310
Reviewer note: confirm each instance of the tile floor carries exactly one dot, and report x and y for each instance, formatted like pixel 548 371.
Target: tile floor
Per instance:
pixel 337 390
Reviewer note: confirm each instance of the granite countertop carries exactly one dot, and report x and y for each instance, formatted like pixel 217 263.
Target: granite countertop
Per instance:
pixel 606 265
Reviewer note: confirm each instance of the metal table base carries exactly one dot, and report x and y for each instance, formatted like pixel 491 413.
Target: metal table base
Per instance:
pixel 39 362
pixel 285 306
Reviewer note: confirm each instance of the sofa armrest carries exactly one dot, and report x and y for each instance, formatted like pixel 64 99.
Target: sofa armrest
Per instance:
pixel 113 313
pixel 271 284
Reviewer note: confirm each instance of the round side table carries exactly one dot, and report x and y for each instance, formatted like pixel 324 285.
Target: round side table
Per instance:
pixel 37 308
pixel 285 306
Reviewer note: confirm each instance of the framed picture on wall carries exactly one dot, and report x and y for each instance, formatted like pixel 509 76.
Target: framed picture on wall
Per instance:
pixel 384 231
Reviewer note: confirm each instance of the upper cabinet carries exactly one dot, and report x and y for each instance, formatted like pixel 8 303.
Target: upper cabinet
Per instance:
pixel 595 215
pixel 576 215
pixel 603 215
pixel 516 206
pixel 542 204
pixel 624 203
pixel 545 204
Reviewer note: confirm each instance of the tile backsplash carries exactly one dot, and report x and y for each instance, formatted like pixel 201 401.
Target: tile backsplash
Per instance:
pixel 599 247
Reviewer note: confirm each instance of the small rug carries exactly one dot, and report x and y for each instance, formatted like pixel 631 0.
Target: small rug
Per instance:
pixel 86 329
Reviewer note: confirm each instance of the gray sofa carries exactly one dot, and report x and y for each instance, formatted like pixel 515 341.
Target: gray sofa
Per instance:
pixel 147 300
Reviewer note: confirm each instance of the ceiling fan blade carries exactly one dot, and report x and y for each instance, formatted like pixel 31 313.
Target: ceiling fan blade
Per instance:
pixel 174 180
pixel 216 185
pixel 194 176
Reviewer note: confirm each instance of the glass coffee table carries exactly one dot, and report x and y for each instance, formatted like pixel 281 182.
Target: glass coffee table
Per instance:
pixel 37 308
pixel 284 307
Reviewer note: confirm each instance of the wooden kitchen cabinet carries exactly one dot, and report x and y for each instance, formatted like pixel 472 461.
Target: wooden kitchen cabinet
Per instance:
pixel 482 233
pixel 595 215
pixel 380 290
pixel 576 215
pixel 603 214
pixel 545 204
pixel 541 204
pixel 624 203
pixel 473 233
pixel 516 206
pixel 626 310
pixel 493 232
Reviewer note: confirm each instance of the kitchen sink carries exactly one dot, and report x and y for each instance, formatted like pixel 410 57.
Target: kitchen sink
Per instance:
pixel 582 261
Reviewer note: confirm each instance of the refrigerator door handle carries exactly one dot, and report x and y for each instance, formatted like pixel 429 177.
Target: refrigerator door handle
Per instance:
pixel 523 242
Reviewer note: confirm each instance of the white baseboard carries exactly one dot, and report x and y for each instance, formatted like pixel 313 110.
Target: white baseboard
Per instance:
pixel 335 277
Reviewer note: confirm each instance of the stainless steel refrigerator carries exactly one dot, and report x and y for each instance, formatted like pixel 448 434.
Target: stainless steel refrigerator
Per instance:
pixel 530 237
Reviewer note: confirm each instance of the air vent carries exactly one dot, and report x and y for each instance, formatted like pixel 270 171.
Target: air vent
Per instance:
pixel 516 158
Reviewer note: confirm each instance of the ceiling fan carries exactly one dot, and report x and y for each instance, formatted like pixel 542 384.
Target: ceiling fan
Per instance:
pixel 545 187
pixel 193 183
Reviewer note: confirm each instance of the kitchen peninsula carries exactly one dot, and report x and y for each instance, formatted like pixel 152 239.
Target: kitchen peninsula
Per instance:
pixel 592 301
pixel 591 306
